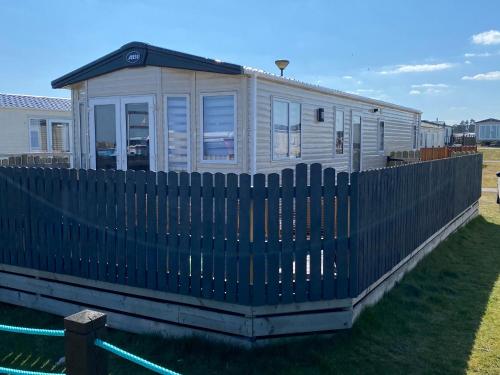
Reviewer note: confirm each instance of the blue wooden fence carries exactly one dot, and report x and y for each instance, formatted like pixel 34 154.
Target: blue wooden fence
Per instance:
pixel 307 235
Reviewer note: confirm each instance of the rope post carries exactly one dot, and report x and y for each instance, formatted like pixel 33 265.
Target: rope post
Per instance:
pixel 82 356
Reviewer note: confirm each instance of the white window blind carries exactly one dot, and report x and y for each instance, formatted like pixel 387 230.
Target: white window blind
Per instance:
pixel 219 127
pixel 178 141
pixel 60 137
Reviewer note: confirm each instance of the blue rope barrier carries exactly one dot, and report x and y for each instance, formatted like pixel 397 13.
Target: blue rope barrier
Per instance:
pixel 32 331
pixel 11 371
pixel 133 358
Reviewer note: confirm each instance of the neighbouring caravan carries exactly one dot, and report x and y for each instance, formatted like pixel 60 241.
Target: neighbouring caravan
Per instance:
pixel 145 107
pixel 35 125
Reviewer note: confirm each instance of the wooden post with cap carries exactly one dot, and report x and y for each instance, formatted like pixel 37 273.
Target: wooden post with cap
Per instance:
pixel 83 357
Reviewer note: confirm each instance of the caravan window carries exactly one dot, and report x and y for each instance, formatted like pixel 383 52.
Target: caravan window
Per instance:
pixel 339 130
pixel 287 129
pixel 381 134
pixel 219 128
pixel 47 135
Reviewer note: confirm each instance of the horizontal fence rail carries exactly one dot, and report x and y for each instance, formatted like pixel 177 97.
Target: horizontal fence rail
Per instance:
pixel 305 235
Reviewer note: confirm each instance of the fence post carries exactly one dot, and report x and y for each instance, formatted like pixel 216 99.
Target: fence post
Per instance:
pixel 82 356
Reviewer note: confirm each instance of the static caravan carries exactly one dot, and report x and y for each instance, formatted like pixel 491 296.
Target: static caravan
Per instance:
pixel 432 134
pixel 488 131
pixel 145 107
pixel 35 125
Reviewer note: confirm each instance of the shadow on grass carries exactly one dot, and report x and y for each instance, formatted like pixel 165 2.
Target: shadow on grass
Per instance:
pixel 426 324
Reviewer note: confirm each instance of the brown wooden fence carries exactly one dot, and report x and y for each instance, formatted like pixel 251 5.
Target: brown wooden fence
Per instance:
pixel 307 235
pixel 434 153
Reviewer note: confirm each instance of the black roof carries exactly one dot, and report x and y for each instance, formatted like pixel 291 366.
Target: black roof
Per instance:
pixel 137 54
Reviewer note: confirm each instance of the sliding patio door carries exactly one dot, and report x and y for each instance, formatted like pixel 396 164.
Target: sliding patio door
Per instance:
pixel 104 122
pixel 138 133
pixel 122 133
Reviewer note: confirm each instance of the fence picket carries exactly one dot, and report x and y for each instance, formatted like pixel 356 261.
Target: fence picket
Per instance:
pixel 287 249
pixel 259 239
pixel 162 231
pixel 110 233
pixel 301 243
pixel 131 245
pixel 219 236
pixel 151 232
pixel 329 247
pixel 121 234
pixel 232 238
pixel 184 239
pixel 207 243
pixel 93 229
pixel 273 230
pixel 101 224
pixel 141 240
pixel 342 235
pixel 244 249
pixel 196 234
pixel 315 277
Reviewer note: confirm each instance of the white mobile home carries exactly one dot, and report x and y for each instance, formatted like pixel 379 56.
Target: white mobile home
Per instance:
pixel 488 131
pixel 145 107
pixel 35 125
pixel 432 134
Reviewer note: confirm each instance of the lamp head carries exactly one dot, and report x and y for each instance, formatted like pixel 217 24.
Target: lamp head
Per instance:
pixel 282 64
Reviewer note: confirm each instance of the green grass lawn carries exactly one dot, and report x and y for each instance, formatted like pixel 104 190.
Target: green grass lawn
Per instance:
pixel 443 318
pixel 490 178
pixel 490 169
pixel 490 153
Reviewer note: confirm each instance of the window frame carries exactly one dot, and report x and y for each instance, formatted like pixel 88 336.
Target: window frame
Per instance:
pixel 50 140
pixel 234 94
pixel 381 120
pixel 49 121
pixel 288 101
pixel 188 126
pixel 356 113
pixel 39 149
pixel 335 130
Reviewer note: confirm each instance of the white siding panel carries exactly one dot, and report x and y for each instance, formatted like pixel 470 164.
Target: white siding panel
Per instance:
pixel 130 81
pixel 318 138
pixel 14 124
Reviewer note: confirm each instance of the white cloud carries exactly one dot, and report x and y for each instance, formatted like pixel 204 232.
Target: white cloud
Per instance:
pixel 429 88
pixel 429 85
pixel 483 54
pixel 490 76
pixel 347 77
pixel 487 38
pixel 372 93
pixel 418 68
pixel 468 62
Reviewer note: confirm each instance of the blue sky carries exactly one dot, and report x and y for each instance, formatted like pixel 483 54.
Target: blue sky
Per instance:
pixel 442 57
